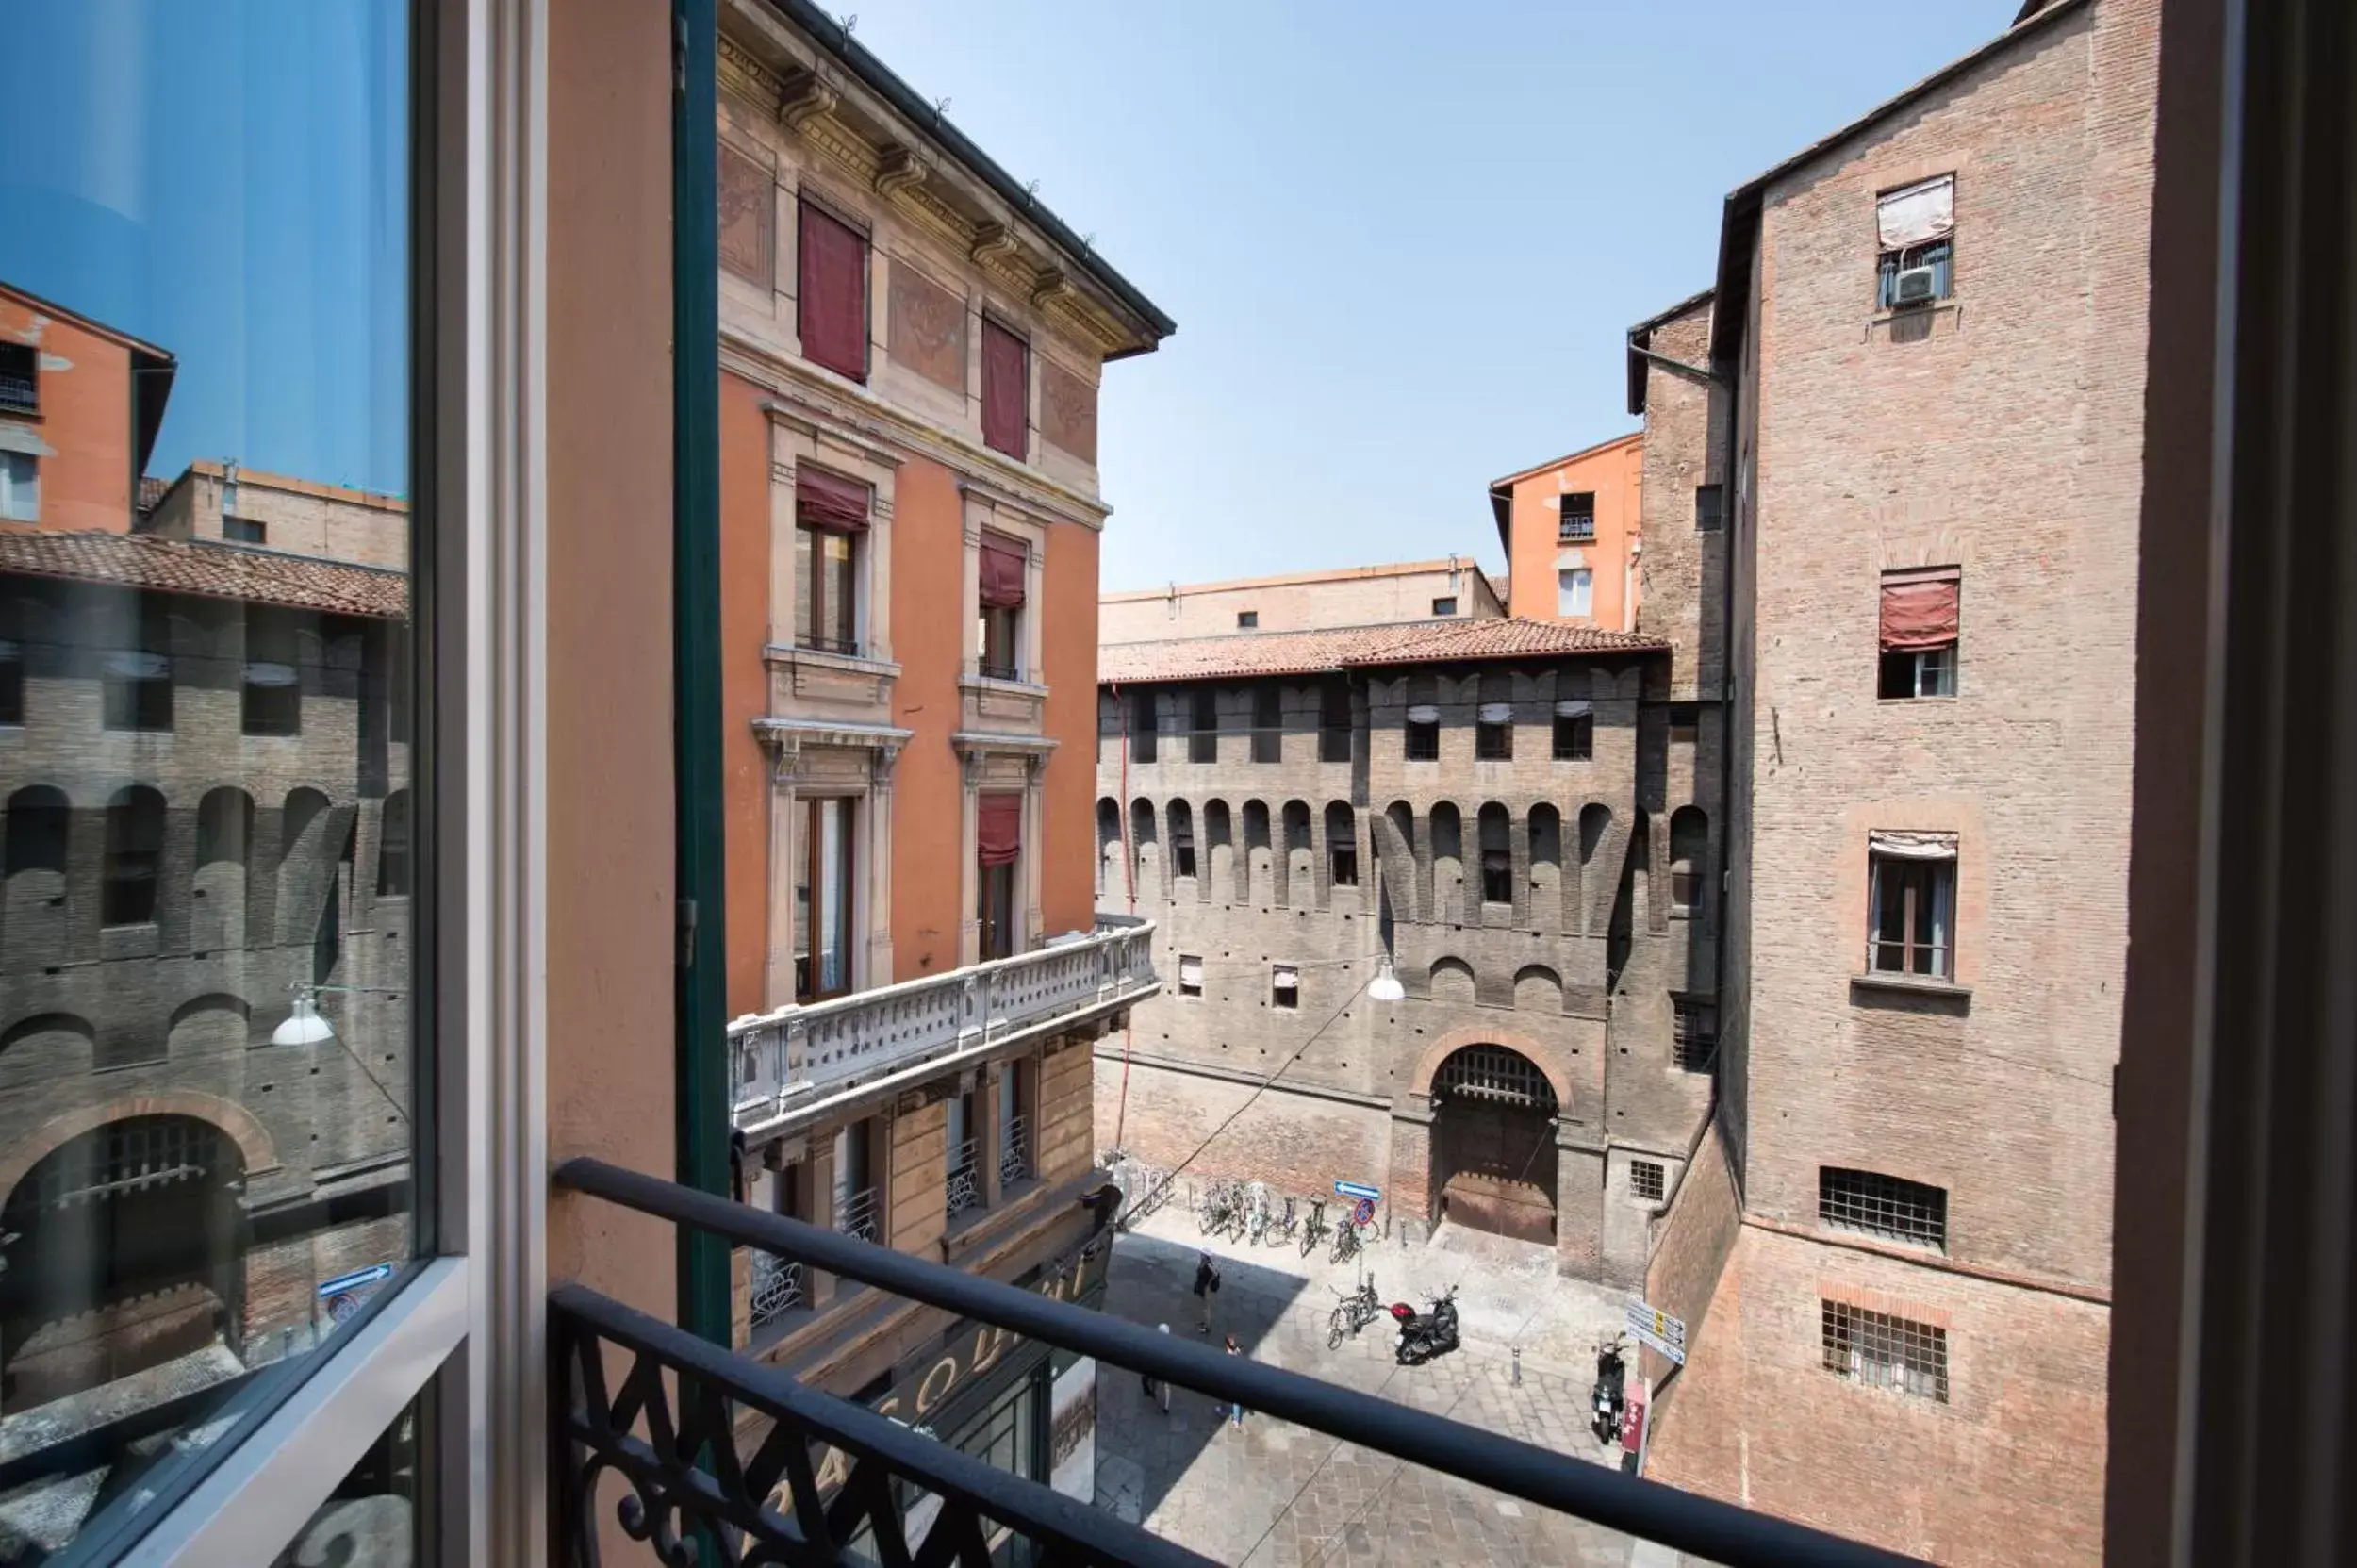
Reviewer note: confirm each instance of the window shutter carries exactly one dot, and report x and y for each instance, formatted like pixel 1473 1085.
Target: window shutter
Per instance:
pixel 1424 712
pixel 1190 971
pixel 1919 610
pixel 1914 214
pixel 1497 713
pixel 1572 707
pixel 833 303
pixel 1006 390
pixel 822 499
pixel 1909 844
pixel 1002 573
pixel 998 828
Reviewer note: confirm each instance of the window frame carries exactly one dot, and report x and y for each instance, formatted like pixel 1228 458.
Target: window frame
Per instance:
pixel 436 1335
pixel 1575 738
pixel 29 486
pixel 811 808
pixel 1445 605
pixel 1420 740
pixel 1581 578
pixel 1710 508
pixel 1575 524
pixel 1247 621
pixel 809 562
pixel 1917 905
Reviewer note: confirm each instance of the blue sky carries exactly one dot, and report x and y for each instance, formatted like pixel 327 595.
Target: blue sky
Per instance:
pixel 183 171
pixel 1402 242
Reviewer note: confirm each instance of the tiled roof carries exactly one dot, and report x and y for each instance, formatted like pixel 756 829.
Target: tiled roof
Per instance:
pixel 212 571
pixel 1353 647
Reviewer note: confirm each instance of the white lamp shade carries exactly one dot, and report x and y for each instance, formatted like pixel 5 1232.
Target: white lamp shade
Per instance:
pixel 303 1025
pixel 1385 986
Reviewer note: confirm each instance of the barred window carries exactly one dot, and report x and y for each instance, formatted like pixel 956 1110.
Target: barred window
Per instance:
pixel 1882 1351
pixel 1644 1182
pixel 1695 1035
pixel 1885 1206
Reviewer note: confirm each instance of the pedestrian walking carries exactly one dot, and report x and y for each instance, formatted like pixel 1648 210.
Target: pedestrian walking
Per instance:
pixel 1206 1287
pixel 1235 1412
pixel 1155 1387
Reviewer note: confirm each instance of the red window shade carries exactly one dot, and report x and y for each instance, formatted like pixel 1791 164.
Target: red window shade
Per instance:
pixel 1006 390
pixel 999 829
pixel 1919 611
pixel 833 294
pixel 822 499
pixel 1002 573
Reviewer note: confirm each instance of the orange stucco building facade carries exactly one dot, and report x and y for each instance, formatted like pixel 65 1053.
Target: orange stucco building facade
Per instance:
pixel 1572 533
pixel 80 408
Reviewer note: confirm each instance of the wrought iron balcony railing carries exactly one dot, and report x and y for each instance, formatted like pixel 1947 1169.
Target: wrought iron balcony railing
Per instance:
pixel 1015 1151
pixel 855 1215
pixel 666 1426
pixel 965 1190
pixel 780 1061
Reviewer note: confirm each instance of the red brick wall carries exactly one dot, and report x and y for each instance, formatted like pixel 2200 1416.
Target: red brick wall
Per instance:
pixel 1691 1249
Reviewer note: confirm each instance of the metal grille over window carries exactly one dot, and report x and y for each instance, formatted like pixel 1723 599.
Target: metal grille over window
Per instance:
pixel 1694 1037
pixel 1575 517
pixel 855 1215
pixel 1015 1150
pixel 777 1287
pixel 1885 1206
pixel 1882 1351
pixel 965 1191
pixel 1645 1182
pixel 1495 1074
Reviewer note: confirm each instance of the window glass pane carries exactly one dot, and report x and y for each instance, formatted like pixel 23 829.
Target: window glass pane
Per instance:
pixel 841 627
pixel 206 1123
pixel 372 1519
pixel 805 584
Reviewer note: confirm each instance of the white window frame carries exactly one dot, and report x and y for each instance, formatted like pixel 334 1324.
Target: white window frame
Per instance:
pixel 468 1321
pixel 1575 590
pixel 19 503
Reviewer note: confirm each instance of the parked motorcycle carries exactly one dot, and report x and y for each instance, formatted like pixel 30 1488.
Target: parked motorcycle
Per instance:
pixel 1425 1335
pixel 1611 1391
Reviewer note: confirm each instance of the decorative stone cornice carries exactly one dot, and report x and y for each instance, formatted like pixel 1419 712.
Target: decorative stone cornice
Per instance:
pixel 748 77
pixel 899 167
pixel 803 97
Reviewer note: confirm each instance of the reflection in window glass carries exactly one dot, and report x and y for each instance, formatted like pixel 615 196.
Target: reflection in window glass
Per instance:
pixel 206 1046
pixel 370 1519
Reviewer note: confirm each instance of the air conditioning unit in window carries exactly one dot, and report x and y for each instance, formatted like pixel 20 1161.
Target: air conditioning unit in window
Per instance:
pixel 1916 285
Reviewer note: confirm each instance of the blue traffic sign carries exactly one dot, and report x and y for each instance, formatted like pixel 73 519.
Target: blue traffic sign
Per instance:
pixel 1358 1189
pixel 352 1282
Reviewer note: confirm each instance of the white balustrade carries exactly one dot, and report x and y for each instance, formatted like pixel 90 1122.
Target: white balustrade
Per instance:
pixel 777 1059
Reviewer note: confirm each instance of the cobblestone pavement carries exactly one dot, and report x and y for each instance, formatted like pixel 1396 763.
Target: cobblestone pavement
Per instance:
pixel 1279 1495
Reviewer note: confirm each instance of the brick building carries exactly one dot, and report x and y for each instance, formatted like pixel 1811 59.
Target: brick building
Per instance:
pixel 1931 329
pixel 1454 589
pixel 1504 812
pixel 204 770
pixel 910 348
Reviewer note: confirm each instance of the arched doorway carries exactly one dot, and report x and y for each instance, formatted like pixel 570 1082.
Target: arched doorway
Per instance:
pixel 121 1250
pixel 1493 1143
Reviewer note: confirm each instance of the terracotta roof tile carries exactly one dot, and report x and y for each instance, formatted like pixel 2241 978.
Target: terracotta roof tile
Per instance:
pixel 1306 652
pixel 212 571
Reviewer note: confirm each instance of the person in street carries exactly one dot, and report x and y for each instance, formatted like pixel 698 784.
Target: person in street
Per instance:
pixel 1206 1287
pixel 1156 1389
pixel 1235 1412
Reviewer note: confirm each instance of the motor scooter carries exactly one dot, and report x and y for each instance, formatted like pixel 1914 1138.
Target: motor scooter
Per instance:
pixel 1611 1390
pixel 1425 1335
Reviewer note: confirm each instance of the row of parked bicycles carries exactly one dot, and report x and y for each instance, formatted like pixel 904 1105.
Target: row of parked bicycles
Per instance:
pixel 1245 1211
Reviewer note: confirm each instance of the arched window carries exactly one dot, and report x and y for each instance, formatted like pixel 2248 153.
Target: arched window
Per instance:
pixel 135 854
pixel 38 817
pixel 1259 865
pixel 1689 835
pixel 1448 864
pixel 1219 840
pixel 1180 819
pixel 1497 854
pixel 1142 834
pixel 225 828
pixel 1342 845
pixel 1300 856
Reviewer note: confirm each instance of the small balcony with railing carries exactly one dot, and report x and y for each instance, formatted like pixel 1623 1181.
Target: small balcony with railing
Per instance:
pixel 785 1067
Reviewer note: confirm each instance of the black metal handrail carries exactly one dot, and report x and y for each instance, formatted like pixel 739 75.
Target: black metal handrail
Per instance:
pixel 1720 1532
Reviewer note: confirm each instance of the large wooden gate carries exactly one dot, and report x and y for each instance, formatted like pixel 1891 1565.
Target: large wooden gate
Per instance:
pixel 1493 1143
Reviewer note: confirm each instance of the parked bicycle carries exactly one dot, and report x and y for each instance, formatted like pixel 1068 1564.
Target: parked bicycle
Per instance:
pixel 1347 1244
pixel 1221 1202
pixel 1256 1210
pixel 1281 1227
pixel 1353 1312
pixel 1315 1231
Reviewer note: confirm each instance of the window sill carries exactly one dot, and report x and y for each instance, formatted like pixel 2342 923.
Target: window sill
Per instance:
pixel 1884 315
pixel 1935 697
pixel 788 655
pixel 1929 985
pixel 975 681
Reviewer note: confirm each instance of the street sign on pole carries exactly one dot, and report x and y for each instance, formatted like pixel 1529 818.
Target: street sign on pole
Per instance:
pixel 1657 1328
pixel 1358 1189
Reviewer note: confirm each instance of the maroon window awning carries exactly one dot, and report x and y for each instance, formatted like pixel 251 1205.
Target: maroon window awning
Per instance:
pixel 1002 572
pixel 1006 390
pixel 834 301
pixel 823 500
pixel 1919 610
pixel 999 829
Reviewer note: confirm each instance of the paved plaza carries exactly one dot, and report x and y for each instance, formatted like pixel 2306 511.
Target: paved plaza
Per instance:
pixel 1279 1495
